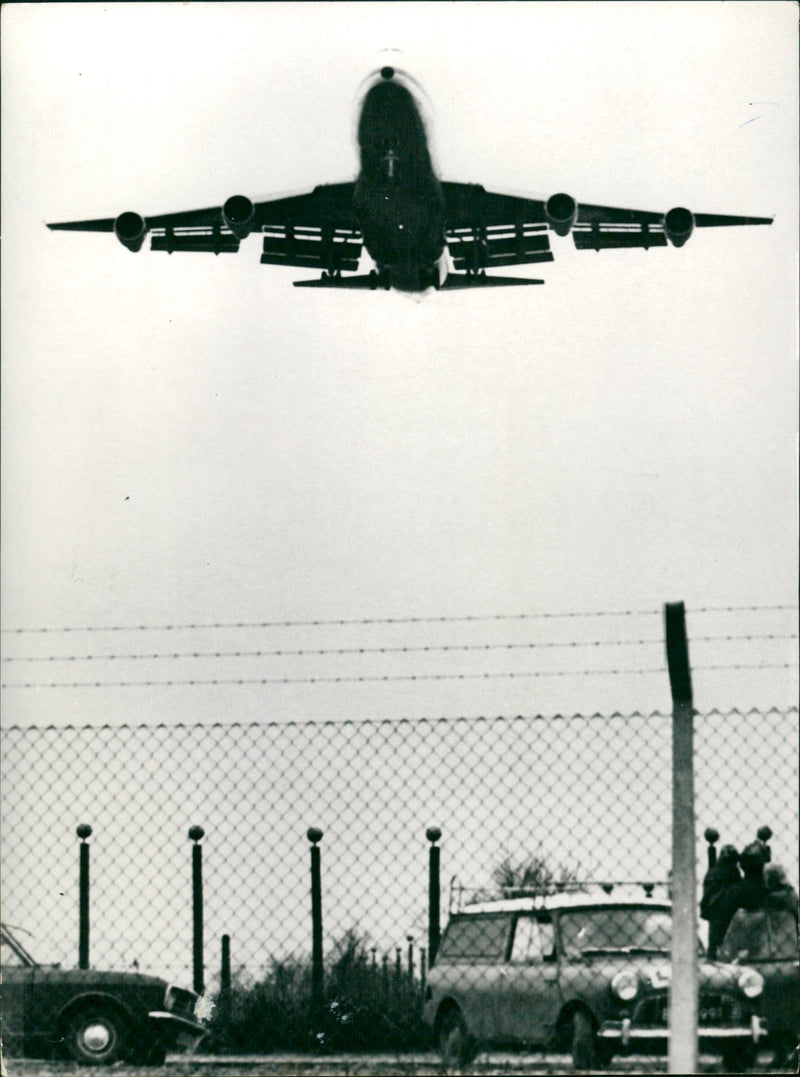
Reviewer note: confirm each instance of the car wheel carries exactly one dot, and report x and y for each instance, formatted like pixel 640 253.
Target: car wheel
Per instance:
pixel 584 1055
pixel 453 1041
pixel 97 1036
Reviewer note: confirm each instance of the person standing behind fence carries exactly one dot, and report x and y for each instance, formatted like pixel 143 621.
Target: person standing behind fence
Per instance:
pixel 780 905
pixel 748 894
pixel 742 933
pixel 719 879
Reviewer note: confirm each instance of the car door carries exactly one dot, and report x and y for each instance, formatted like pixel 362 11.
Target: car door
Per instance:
pixel 16 995
pixel 528 987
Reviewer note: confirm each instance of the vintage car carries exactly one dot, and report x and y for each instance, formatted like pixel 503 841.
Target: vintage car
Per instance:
pixel 94 1017
pixel 582 972
pixel 766 939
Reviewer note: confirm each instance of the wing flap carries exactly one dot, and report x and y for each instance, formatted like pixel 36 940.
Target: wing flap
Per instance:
pixel 481 248
pixel 333 249
pixel 214 241
pixel 597 238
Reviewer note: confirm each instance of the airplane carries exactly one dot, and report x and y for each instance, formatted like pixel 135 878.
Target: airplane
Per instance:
pixel 421 232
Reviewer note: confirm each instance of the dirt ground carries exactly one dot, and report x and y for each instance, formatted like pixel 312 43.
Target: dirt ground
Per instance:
pixel 346 1065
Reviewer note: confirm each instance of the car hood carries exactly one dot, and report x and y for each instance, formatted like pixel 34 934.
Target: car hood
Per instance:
pixel 655 971
pixel 96 978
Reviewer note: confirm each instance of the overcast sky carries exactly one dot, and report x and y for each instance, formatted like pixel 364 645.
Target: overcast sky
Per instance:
pixel 190 440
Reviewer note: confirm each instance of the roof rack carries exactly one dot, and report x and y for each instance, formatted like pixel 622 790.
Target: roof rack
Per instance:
pixel 473 896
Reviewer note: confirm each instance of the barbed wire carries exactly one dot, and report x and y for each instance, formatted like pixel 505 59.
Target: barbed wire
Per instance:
pixel 322 622
pixel 334 622
pixel 412 649
pixel 377 678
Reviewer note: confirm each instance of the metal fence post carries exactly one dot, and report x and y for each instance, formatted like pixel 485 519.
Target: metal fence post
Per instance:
pixel 712 837
pixel 764 833
pixel 83 831
pixel 684 990
pixel 433 833
pixel 314 835
pixel 225 986
pixel 196 834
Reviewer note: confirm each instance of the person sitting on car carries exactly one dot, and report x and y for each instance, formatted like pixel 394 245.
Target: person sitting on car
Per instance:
pixel 767 930
pixel 719 879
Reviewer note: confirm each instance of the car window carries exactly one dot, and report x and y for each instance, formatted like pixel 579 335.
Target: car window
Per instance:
pixel 9 958
pixel 533 940
pixel 623 928
pixel 476 937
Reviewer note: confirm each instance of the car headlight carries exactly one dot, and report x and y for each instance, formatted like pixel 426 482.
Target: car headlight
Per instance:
pixel 751 983
pixel 625 985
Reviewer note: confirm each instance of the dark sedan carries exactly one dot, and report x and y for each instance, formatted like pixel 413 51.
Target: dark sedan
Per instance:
pixel 95 1017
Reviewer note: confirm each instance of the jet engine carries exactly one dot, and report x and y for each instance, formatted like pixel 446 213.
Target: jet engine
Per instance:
pixel 561 211
pixel 238 214
pixel 130 229
pixel 678 225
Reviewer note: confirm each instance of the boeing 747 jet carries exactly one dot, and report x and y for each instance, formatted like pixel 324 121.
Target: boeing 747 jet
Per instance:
pixel 421 232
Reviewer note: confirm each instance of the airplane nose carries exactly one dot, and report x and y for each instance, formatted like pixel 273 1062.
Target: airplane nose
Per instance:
pixel 387 72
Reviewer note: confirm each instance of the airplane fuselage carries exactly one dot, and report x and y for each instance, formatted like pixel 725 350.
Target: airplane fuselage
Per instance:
pixel 398 198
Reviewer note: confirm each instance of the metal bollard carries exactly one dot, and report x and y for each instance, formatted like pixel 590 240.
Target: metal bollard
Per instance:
pixel 83 831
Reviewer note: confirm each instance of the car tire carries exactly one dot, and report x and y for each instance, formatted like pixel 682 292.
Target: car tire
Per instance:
pixel 584 1052
pixel 453 1041
pixel 97 1036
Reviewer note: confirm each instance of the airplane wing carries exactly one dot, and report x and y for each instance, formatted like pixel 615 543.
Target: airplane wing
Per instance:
pixel 314 230
pixel 486 229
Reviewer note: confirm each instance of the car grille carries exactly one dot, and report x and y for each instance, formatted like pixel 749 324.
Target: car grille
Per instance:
pixel 713 1010
pixel 179 1000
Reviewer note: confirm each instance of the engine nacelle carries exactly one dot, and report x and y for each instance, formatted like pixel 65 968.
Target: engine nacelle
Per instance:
pixel 130 229
pixel 678 225
pixel 238 214
pixel 561 211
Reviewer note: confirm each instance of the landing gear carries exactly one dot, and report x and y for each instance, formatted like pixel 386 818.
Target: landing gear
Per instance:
pixel 379 280
pixel 330 279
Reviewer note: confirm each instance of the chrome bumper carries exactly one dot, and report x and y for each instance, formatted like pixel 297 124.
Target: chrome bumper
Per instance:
pixel 175 1028
pixel 625 1033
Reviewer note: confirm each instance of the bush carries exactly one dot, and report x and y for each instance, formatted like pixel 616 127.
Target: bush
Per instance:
pixel 366 1006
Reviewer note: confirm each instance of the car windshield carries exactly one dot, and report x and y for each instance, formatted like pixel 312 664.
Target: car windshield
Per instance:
pixel 12 952
pixel 640 929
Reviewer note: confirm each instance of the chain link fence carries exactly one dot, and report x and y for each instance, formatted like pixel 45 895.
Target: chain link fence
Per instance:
pixel 532 815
